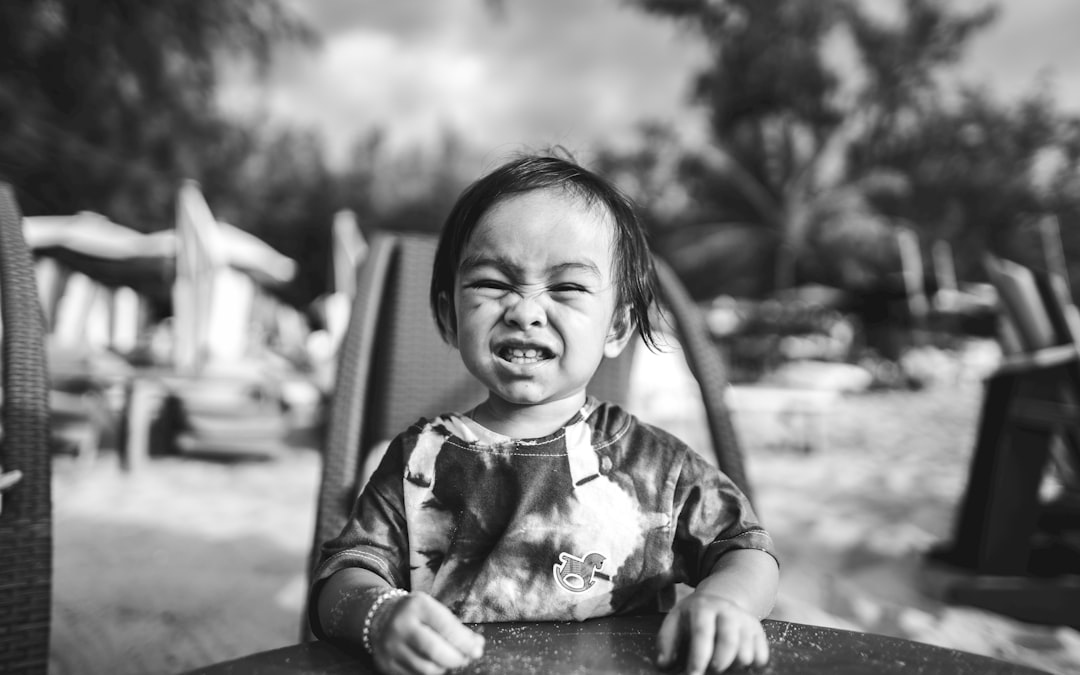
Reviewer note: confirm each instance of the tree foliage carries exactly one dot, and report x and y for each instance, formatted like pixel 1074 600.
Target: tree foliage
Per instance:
pixel 109 104
pixel 825 115
pixel 277 185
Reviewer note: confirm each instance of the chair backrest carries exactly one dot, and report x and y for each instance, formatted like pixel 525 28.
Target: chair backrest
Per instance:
pixel 1038 311
pixel 394 368
pixel 25 462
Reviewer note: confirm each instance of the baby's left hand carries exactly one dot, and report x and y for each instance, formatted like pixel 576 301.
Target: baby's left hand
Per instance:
pixel 715 632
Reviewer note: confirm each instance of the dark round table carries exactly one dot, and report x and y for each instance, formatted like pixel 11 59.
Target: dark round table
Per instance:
pixel 626 645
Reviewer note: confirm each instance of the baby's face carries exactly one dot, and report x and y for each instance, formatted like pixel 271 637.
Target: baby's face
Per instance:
pixel 536 300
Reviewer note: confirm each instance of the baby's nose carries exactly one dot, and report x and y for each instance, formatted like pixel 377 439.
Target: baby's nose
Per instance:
pixel 525 312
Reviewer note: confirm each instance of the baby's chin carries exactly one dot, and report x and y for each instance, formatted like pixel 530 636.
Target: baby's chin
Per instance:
pixel 532 396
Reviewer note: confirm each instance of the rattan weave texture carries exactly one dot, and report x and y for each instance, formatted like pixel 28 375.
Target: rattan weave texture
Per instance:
pixel 26 518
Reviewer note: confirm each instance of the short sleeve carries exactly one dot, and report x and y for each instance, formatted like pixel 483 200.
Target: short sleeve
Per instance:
pixel 713 517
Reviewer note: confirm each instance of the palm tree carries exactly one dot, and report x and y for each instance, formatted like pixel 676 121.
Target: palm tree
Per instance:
pixel 791 88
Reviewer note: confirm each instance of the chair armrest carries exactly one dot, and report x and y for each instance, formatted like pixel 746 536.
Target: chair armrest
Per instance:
pixel 707 366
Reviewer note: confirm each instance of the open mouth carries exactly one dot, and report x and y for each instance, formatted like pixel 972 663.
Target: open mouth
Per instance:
pixel 524 355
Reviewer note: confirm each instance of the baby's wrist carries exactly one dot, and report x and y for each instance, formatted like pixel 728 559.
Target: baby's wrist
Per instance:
pixel 719 599
pixel 375 617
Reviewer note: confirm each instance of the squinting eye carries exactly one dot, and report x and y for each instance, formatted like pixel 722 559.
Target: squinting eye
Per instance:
pixel 567 289
pixel 486 284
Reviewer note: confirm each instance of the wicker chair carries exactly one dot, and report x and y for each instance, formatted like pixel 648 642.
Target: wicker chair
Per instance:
pixel 25 466
pixel 393 368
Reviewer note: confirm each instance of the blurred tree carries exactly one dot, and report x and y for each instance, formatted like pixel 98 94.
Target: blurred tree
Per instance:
pixel 981 174
pixel 791 88
pixel 1057 172
pixel 406 189
pixel 108 105
pixel 276 184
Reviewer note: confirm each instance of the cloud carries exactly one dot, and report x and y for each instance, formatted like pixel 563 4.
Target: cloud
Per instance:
pixel 1029 41
pixel 539 73
pixel 558 71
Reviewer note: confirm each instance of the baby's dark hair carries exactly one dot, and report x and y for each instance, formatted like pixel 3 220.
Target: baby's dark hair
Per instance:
pixel 635 276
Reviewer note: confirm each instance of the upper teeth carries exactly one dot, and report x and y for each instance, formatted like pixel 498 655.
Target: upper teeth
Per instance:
pixel 524 353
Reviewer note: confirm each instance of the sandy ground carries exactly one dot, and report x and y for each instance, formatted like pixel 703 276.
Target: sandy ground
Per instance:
pixel 189 562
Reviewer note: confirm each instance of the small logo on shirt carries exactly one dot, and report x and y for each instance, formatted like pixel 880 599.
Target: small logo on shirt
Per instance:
pixel 578 575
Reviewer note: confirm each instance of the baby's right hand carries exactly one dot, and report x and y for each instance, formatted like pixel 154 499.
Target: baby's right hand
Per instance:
pixel 418 635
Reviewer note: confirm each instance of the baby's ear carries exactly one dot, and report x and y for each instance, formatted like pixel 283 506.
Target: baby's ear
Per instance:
pixel 622 329
pixel 447 319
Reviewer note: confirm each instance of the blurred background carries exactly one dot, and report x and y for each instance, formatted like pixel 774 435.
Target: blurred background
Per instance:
pixel 860 155
pixel 200 177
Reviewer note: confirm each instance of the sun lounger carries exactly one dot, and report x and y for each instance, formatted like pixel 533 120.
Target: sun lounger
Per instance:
pixel 1016 547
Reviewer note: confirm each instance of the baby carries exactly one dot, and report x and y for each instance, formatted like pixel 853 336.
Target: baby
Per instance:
pixel 542 503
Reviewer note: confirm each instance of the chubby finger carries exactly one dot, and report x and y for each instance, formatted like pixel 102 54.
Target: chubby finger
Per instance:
pixel 725 645
pixel 667 640
pixel 407 645
pixel 702 638
pixel 746 654
pixel 422 652
pixel 761 649
pixel 432 653
pixel 468 643
pixel 403 660
pixel 417 665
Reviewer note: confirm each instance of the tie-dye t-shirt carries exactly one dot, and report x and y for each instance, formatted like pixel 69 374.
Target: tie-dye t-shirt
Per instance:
pixel 603 517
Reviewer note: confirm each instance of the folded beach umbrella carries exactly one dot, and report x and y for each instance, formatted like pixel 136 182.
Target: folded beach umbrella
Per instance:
pixel 117 255
pixel 109 253
pixel 195 271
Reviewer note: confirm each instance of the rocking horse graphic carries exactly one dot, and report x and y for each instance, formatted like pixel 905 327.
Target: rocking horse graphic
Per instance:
pixel 578 575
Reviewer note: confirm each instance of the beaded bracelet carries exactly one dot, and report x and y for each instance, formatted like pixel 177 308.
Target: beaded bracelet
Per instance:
pixel 369 618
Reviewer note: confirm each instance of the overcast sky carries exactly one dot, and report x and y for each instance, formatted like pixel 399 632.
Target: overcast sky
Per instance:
pixel 576 72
